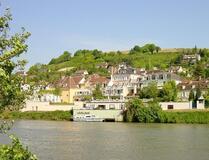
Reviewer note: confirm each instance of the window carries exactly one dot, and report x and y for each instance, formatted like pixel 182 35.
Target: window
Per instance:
pixel 111 106
pixel 153 77
pixel 161 76
pixel 170 106
pixel 168 76
pixel 200 101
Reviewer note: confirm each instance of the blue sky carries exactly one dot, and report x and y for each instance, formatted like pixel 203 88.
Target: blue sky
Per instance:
pixel 59 25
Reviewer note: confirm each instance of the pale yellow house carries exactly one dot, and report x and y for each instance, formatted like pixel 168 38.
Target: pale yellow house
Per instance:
pixel 72 86
pixel 67 95
pixel 75 87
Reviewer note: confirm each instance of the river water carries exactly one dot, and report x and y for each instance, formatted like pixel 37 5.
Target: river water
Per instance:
pixel 52 140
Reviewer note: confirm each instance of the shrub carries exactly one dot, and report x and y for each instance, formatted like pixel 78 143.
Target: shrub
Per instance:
pixel 138 112
pixel 15 151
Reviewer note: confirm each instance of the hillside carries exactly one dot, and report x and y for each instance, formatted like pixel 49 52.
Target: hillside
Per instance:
pixel 94 61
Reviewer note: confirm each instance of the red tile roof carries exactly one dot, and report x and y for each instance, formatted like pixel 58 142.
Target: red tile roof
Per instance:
pixel 97 79
pixel 69 82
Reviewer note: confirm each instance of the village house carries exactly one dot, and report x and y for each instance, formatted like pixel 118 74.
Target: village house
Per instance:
pixel 177 69
pixel 96 79
pixel 79 86
pixel 158 76
pixel 49 97
pixel 186 87
pixel 70 86
pixel 191 58
pixel 123 82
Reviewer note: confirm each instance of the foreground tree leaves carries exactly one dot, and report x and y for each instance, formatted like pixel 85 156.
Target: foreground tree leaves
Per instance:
pixel 11 94
pixel 15 151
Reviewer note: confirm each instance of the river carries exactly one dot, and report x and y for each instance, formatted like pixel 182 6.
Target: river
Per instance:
pixel 52 140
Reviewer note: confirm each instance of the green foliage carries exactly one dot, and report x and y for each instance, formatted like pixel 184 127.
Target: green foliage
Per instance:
pixel 198 93
pixel 11 93
pixel 15 151
pixel 90 59
pixel 191 95
pixel 152 113
pixel 206 96
pixel 63 58
pixel 51 115
pixel 201 117
pixel 135 49
pixel 97 93
pixel 56 91
pixel 138 112
pixel 41 75
pixel 151 48
pixel 151 91
pixel 169 91
pixel 132 107
pixel 199 70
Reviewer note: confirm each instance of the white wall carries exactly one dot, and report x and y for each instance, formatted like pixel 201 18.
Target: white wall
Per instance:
pixel 176 105
pixel 45 106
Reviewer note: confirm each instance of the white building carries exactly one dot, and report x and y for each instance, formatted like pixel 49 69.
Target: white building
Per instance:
pixel 50 98
pixel 160 77
pixel 124 81
pixel 105 104
pixel 183 105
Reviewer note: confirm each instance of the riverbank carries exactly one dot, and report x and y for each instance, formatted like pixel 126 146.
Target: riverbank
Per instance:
pixel 192 116
pixel 50 115
pixel 183 116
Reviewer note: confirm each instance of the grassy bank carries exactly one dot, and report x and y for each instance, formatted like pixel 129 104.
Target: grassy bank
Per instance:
pixel 52 115
pixel 193 116
pixel 201 117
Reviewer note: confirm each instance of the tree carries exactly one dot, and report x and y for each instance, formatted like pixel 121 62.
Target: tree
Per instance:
pixel 97 93
pixel 136 49
pixel 151 91
pixel 136 111
pixel 198 93
pixel 194 50
pixel 157 48
pixel 169 91
pixel 191 95
pixel 199 70
pixel 97 54
pixel 63 58
pixel 206 96
pixel 15 151
pixel 149 47
pixel 132 110
pixel 11 94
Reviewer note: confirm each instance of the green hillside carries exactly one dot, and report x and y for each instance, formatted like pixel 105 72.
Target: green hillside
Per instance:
pixel 148 56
